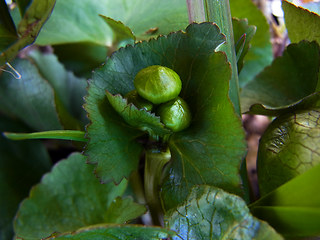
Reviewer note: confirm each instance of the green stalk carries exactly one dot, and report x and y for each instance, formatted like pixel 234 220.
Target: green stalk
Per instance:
pixel 218 11
pixel 196 11
pixel 55 134
pixel 155 161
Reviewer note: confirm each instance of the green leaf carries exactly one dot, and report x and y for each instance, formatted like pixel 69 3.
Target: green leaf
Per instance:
pixel 260 54
pixel 210 151
pixel 242 42
pixel 290 78
pixel 119 232
pixel 30 98
pixel 120 31
pixel 29 28
pixel 309 102
pixel 289 147
pixel 68 198
pixel 140 16
pixel 8 33
pixel 112 145
pixel 138 118
pixel 69 90
pixel 55 134
pixel 301 23
pixel 293 208
pixel 81 58
pixel 21 166
pixel 211 213
pixel 123 210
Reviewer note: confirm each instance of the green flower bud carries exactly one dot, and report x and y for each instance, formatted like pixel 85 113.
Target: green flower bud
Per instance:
pixel 158 84
pixel 141 103
pixel 175 114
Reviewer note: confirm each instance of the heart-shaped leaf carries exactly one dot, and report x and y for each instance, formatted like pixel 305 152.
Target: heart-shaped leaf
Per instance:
pixel 301 23
pixel 211 213
pixel 112 142
pixel 68 198
pixel 210 151
pixel 289 79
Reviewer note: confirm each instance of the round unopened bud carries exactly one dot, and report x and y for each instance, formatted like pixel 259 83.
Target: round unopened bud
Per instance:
pixel 175 114
pixel 158 84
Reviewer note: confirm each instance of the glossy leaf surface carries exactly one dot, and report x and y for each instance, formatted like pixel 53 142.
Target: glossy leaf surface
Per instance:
pixel 289 147
pixel 209 151
pixel 301 23
pixel 140 16
pixel 15 180
pixel 209 213
pixel 69 197
pixel 289 79
pixel 119 232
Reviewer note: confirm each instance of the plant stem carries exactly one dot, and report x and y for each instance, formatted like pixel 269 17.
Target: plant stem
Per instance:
pixel 155 161
pixel 218 11
pixel 55 134
pixel 196 11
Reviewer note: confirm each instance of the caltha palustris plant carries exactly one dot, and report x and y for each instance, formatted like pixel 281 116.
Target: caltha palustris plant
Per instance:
pixel 167 100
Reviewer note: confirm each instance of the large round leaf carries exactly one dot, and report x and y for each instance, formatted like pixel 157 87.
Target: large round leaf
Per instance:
pixel 119 232
pixel 288 79
pixel 79 21
pixel 213 143
pixel 211 149
pixel 68 198
pixel 211 213
pixel 289 147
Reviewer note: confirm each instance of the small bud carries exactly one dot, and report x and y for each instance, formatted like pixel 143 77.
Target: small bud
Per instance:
pixel 175 114
pixel 158 84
